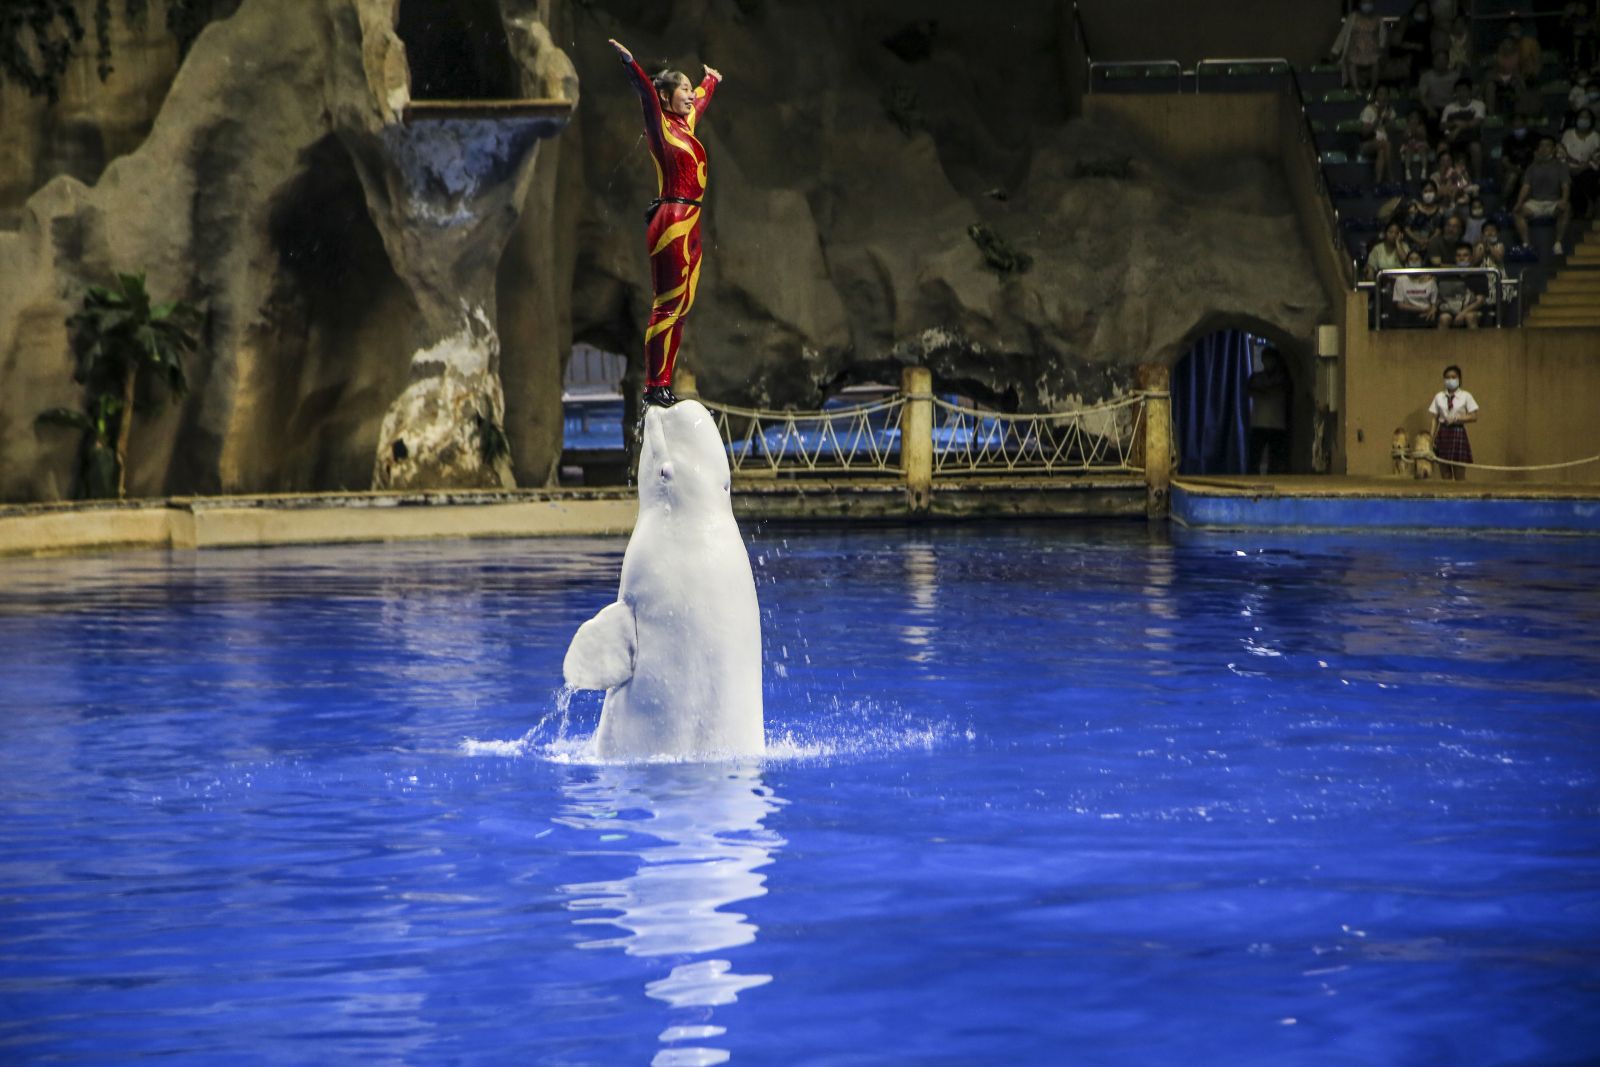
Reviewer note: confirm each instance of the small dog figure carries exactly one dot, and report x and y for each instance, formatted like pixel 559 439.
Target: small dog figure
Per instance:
pixel 1421 448
pixel 1398 453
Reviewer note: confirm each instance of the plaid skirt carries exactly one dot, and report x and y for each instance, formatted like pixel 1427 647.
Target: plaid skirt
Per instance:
pixel 1452 444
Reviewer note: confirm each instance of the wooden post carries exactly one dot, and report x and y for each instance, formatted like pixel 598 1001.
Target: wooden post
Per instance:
pixel 916 437
pixel 1155 380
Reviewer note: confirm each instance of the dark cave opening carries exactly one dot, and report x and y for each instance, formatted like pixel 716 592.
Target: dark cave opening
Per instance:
pixel 457 50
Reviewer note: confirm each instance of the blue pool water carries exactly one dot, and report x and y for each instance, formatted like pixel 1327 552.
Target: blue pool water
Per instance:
pixel 1044 795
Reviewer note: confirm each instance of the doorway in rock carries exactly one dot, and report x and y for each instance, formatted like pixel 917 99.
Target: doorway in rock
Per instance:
pixel 457 50
pixel 1232 406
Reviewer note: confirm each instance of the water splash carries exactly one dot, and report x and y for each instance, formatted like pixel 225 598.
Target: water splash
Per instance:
pixel 841 729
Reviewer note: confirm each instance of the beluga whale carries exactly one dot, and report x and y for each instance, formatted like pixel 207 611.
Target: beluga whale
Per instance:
pixel 679 651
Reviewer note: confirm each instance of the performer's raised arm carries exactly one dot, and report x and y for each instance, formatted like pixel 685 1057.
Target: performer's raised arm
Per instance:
pixel 702 95
pixel 644 89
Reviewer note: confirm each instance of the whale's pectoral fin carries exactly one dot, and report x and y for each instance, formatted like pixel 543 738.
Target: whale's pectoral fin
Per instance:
pixel 601 653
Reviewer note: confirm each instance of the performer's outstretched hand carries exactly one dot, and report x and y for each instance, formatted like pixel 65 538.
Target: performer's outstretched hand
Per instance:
pixel 713 72
pixel 622 50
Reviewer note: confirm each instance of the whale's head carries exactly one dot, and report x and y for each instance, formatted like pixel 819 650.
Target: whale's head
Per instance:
pixel 684 462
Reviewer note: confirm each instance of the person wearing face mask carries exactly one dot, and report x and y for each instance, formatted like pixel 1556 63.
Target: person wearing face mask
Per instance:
pixel 1546 193
pixel 672 110
pixel 1581 146
pixel 1472 232
pixel 1424 216
pixel 1452 408
pixel 1363 48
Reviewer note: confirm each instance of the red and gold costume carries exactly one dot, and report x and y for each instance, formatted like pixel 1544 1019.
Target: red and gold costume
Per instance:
pixel 673 235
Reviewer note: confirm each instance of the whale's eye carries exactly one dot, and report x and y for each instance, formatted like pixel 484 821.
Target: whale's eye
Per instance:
pixel 666 472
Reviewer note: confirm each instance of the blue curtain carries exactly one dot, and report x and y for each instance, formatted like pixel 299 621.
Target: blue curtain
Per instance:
pixel 1211 405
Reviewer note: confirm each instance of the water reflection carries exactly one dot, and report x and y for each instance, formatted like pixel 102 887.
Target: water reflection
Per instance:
pixel 922 585
pixel 697 833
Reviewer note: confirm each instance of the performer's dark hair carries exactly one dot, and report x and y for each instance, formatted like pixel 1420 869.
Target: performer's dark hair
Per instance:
pixel 668 80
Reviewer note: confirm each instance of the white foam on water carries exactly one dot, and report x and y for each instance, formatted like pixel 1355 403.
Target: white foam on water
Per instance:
pixel 848 730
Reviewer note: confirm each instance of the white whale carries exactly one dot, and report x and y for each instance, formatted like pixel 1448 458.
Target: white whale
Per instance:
pixel 679 652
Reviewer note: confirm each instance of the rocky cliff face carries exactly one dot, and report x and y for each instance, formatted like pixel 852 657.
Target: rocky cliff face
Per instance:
pixel 854 149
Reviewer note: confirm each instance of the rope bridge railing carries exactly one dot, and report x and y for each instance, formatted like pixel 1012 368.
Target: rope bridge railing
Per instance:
pixel 1107 438
pixel 867 439
pixel 861 439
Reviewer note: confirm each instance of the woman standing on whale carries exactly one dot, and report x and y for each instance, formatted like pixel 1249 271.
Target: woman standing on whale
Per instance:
pixel 672 110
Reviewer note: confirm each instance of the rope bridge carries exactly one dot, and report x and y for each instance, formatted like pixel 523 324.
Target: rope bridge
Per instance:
pixel 866 439
pixel 860 439
pixel 1101 439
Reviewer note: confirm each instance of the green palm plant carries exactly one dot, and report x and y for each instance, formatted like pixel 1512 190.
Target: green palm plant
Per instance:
pixel 118 334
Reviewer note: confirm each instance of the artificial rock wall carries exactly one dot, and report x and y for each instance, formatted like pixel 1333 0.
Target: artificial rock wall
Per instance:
pixel 852 149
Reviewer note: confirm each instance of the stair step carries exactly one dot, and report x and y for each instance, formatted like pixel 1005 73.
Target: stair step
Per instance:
pixel 1577 286
pixel 1550 318
pixel 1571 301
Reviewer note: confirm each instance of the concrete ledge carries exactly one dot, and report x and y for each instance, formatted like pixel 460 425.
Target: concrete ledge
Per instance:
pixel 1395 505
pixel 322 518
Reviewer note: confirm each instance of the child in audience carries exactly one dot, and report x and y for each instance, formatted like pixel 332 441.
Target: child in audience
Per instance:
pixel 1416 296
pixel 1456 187
pixel 1414 150
pixel 1580 146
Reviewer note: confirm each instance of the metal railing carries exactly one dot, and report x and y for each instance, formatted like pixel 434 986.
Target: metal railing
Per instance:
pixel 1256 67
pixel 1101 439
pixel 862 439
pixel 1493 293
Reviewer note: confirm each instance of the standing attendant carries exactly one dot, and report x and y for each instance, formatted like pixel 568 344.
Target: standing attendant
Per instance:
pixel 1452 409
pixel 672 110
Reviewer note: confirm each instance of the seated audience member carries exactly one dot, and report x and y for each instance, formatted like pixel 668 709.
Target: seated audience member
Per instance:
pixel 1578 31
pixel 1436 87
pixel 1459 44
pixel 1489 236
pixel 1530 56
pixel 1377 118
pixel 1389 253
pixel 1416 296
pixel 1461 125
pixel 1423 216
pixel 1494 258
pixel 1414 149
pixel 1460 297
pixel 1580 144
pixel 1363 48
pixel 1409 52
pixel 1517 150
pixel 1441 248
pixel 1546 193
pixel 1504 86
pixel 1472 232
pixel 1455 185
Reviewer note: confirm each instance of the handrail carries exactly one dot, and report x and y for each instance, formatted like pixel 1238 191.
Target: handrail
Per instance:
pixel 1205 65
pixel 1083 42
pixel 1308 137
pixel 1496 287
pixel 1168 68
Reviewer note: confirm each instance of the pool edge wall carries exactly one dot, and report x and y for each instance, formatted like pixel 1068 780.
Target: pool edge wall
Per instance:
pixel 1224 509
pixel 259 522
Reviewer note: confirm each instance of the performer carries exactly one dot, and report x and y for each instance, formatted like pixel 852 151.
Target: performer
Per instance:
pixel 672 110
pixel 1452 408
